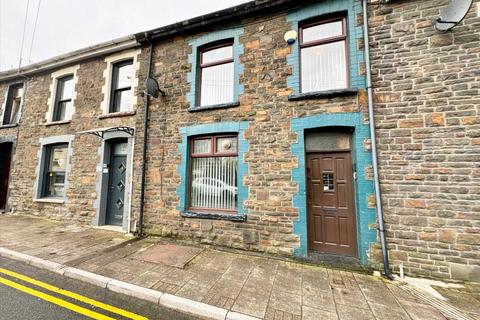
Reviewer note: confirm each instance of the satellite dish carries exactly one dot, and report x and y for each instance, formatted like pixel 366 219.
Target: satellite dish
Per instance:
pixel 153 89
pixel 452 14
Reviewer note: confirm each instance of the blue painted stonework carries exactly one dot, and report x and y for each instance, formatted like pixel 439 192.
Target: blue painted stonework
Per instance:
pixel 214 128
pixel 354 33
pixel 234 34
pixel 363 187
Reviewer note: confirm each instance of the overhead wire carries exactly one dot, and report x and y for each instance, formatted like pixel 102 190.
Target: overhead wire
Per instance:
pixel 23 36
pixel 34 29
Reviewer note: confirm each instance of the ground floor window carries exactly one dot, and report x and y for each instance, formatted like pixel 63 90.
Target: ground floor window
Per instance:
pixel 213 173
pixel 54 170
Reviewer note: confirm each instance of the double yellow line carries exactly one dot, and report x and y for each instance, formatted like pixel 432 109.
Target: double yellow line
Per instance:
pixel 66 293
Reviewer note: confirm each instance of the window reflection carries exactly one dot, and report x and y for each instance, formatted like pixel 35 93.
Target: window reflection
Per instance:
pixel 214 173
pixel 12 107
pixel 54 171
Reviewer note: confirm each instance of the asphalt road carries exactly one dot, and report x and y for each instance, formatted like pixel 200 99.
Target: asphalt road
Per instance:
pixel 24 299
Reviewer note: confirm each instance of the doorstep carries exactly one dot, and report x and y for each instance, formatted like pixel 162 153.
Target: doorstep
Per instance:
pixel 112 228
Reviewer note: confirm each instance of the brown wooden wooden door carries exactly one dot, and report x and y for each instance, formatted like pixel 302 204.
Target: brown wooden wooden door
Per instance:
pixel 5 158
pixel 330 201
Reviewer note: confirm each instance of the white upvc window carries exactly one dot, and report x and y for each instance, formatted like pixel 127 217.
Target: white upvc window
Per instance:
pixel 61 104
pixel 120 83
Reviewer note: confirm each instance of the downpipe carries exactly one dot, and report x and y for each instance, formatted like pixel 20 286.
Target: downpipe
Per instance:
pixel 371 118
pixel 146 96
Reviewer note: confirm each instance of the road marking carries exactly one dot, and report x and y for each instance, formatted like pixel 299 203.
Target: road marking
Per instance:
pixel 54 300
pixel 73 295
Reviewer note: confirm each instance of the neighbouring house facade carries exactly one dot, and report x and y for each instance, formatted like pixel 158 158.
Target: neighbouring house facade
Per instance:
pixel 58 169
pixel 427 98
pixel 262 138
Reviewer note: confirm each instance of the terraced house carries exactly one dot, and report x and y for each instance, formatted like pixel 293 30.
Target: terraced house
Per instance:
pixel 260 135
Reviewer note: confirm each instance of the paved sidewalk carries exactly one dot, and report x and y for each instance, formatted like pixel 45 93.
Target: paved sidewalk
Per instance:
pixel 261 287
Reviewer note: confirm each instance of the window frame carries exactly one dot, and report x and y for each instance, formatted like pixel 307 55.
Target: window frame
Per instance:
pixel 344 37
pixel 214 138
pixel 47 170
pixel 8 107
pixel 58 100
pixel 206 48
pixel 114 83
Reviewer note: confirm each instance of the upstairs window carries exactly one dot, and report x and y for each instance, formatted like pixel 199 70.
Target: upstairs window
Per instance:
pixel 216 75
pixel 213 173
pixel 323 54
pixel 54 171
pixel 12 107
pixel 63 98
pixel 122 80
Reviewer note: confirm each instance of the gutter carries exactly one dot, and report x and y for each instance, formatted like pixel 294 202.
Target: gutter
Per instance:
pixel 371 118
pixel 246 10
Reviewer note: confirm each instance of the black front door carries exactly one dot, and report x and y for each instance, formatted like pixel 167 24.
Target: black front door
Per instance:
pixel 116 184
pixel 5 158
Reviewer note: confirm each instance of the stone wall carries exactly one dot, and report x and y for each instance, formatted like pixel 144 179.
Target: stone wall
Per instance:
pixel 427 114
pixel 264 104
pixel 81 192
pixel 267 69
pixel 427 88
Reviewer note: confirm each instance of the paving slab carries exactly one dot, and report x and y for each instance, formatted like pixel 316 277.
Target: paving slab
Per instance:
pixel 290 302
pixel 350 297
pixel 319 299
pixel 255 294
pixel 309 313
pixel 418 311
pixel 289 278
pixel 383 311
pixel 229 285
pixel 169 254
pixel 193 290
pixel 233 283
pixel 350 312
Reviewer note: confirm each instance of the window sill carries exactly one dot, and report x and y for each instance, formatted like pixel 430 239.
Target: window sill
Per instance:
pixel 323 94
pixel 49 200
pixel 214 216
pixel 54 123
pixel 10 125
pixel 215 106
pixel 117 114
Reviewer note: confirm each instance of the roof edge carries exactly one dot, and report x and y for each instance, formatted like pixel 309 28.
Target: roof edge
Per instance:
pixel 244 10
pixel 100 49
pixel 237 12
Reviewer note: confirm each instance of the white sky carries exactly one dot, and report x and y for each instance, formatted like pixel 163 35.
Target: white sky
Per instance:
pixel 66 25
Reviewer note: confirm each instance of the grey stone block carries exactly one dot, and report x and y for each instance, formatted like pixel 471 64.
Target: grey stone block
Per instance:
pixel 465 272
pixel 193 307
pixel 134 291
pixel 88 277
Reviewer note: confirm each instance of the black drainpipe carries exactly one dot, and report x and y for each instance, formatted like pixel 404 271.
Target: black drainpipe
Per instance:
pixel 145 132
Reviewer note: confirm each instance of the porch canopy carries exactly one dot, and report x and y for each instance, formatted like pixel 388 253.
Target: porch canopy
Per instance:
pixel 100 132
